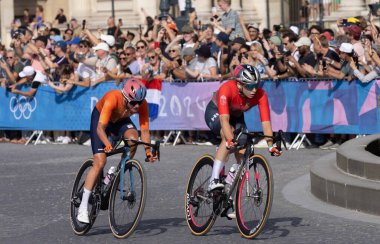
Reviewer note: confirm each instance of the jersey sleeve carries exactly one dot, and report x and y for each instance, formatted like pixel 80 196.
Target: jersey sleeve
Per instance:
pixel 110 104
pixel 223 97
pixel 144 116
pixel 264 107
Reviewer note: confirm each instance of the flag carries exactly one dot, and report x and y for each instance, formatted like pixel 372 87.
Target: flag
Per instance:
pixel 153 95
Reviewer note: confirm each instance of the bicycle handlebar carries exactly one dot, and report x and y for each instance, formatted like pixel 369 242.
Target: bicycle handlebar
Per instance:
pixel 155 148
pixel 278 138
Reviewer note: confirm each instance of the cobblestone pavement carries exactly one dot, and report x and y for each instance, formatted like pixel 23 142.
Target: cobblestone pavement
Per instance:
pixel 36 181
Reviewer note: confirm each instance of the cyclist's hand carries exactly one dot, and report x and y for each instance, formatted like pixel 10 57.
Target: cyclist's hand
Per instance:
pixel 274 151
pixel 231 143
pixel 150 157
pixel 108 148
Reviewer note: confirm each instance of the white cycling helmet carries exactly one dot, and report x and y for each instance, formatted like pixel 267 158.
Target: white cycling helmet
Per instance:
pixel 247 74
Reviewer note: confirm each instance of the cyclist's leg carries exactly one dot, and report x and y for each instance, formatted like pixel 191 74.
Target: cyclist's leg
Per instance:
pixel 213 122
pixel 100 160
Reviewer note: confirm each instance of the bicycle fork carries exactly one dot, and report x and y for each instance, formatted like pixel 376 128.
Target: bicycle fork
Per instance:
pixel 130 195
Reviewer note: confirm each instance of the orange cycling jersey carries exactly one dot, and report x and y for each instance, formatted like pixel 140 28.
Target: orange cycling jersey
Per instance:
pixel 229 101
pixel 112 107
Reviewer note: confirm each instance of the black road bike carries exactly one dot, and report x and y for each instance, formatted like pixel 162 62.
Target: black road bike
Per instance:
pixel 252 186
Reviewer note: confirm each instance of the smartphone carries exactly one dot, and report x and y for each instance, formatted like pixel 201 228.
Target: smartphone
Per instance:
pixel 120 21
pixel 344 22
pixel 8 89
pixel 225 50
pixel 83 24
pixel 324 64
pixel 375 9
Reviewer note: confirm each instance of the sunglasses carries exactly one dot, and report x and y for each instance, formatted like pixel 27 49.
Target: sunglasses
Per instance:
pixel 250 87
pixel 122 58
pixel 81 46
pixel 9 57
pixel 140 47
pixel 151 57
pixel 172 51
pixel 128 54
pixel 134 103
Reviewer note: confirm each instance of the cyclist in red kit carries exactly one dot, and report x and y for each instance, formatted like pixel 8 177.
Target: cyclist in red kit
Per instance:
pixel 225 113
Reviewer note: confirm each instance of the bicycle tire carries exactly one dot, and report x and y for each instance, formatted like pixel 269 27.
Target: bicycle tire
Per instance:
pixel 121 230
pixel 76 196
pixel 250 228
pixel 205 162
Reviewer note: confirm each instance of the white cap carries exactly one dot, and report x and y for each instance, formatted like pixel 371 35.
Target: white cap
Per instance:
pixel 110 40
pixel 27 71
pixel 294 29
pixel 346 47
pixel 102 46
pixel 303 41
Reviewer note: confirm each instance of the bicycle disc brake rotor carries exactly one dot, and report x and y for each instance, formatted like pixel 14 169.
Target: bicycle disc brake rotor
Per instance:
pixel 258 197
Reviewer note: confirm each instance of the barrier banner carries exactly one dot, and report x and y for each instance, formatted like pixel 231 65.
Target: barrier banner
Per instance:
pixel 296 106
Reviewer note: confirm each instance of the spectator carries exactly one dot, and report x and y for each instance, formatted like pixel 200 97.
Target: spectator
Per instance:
pixel 141 47
pixel 230 20
pixel 221 42
pixel 306 56
pixel 205 68
pixel 128 66
pixel 60 18
pixel 26 18
pixel 68 35
pixel 188 57
pixel 153 69
pixel 355 33
pixel 347 56
pixel 112 30
pixel 257 59
pixel 77 29
pixel 28 74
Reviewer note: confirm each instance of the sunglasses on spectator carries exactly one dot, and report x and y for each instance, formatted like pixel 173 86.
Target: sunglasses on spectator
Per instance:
pixel 82 46
pixel 172 51
pixel 128 54
pixel 9 57
pixel 151 57
pixel 250 87
pixel 140 47
pixel 123 58
pixel 134 103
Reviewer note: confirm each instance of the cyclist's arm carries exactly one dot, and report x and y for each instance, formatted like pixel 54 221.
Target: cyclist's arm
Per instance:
pixel 265 116
pixel 267 129
pixel 144 124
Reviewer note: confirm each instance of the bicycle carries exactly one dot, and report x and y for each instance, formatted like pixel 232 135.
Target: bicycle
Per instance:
pixel 253 181
pixel 126 190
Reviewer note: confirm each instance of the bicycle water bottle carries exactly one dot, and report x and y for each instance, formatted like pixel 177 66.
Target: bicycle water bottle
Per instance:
pixel 108 177
pixel 230 178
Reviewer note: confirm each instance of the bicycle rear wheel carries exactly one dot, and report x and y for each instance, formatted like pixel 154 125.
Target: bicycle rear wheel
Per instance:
pixel 198 204
pixel 125 210
pixel 254 197
pixel 76 198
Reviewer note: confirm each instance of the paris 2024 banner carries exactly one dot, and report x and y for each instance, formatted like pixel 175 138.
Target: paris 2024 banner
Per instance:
pixel 296 106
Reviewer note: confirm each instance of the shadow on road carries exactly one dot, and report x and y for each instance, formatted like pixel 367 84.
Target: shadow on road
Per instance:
pixel 152 227
pixel 279 227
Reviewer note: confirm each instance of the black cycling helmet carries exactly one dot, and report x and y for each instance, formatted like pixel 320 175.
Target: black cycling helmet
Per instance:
pixel 247 74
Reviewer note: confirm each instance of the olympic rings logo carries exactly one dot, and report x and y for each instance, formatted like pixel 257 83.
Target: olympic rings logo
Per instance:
pixel 22 107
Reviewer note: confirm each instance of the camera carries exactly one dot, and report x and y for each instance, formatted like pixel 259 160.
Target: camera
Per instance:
pixel 324 64
pixel 215 17
pixel 287 53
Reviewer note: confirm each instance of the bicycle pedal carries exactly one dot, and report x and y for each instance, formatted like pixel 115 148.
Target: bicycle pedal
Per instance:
pixel 224 214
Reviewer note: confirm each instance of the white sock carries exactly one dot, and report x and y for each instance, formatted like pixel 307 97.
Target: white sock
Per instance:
pixel 216 168
pixel 85 197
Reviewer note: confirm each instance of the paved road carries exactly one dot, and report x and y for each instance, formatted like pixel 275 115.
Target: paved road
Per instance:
pixel 35 185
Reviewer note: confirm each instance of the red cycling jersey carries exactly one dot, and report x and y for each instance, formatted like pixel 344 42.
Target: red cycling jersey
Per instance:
pixel 112 107
pixel 229 101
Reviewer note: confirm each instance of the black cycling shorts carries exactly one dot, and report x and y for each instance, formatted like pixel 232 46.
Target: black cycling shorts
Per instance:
pixel 213 121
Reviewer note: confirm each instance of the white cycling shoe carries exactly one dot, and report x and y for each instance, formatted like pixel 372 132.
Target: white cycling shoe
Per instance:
pixel 232 215
pixel 83 216
pixel 215 184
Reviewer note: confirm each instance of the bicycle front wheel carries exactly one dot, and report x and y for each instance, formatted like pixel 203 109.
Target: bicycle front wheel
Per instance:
pixel 127 200
pixel 254 197
pixel 76 198
pixel 198 204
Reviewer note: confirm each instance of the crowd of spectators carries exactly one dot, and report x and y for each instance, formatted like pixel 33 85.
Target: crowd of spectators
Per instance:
pixel 199 51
